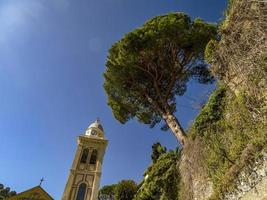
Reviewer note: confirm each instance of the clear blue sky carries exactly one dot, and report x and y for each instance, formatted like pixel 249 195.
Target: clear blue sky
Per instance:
pixel 52 55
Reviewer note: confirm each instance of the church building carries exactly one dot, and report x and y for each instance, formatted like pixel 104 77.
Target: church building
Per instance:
pixel 35 193
pixel 84 177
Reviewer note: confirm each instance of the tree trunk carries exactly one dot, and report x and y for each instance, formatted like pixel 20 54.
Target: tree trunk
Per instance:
pixel 176 128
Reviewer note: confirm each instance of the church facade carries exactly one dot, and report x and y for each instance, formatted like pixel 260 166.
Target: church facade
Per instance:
pixel 35 193
pixel 84 177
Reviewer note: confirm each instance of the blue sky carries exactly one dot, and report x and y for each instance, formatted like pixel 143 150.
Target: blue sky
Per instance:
pixel 52 57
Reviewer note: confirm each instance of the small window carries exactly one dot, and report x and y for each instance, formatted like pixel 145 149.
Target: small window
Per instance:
pixel 81 192
pixel 93 157
pixel 84 155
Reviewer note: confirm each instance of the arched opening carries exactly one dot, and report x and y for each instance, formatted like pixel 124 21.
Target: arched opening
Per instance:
pixel 93 157
pixel 81 192
pixel 84 155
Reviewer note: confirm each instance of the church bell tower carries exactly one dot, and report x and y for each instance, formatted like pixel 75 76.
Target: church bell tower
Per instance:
pixel 84 178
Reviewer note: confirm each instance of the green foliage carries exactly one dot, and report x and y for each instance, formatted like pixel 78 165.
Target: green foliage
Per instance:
pixel 125 190
pixel 225 22
pixel 229 7
pixel 227 127
pixel 162 179
pixel 157 151
pixel 151 65
pixel 232 126
pixel 210 48
pixel 107 192
pixel 5 192
pixel 211 113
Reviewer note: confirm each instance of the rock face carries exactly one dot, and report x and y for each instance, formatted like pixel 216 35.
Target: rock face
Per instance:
pixel 238 58
pixel 196 183
pixel 252 184
pixel 198 187
pixel 238 61
pixel 202 189
pixel 259 192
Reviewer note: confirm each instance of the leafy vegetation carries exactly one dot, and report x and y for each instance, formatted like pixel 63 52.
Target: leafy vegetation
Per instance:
pixel 232 125
pixel 211 113
pixel 152 65
pixel 5 192
pixel 162 178
pixel 224 23
pixel 107 192
pixel 157 151
pixel 228 129
pixel 124 190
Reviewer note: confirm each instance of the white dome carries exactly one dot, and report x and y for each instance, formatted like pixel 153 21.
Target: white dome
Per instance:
pixel 96 124
pixel 95 129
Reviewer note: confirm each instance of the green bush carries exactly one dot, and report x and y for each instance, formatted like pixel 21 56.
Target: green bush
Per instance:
pixel 162 179
pixel 125 190
pixel 211 113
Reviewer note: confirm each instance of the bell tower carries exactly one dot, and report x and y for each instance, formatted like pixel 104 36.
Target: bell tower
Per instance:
pixel 84 178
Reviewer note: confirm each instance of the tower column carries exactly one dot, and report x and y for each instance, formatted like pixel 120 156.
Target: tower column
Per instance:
pixel 84 178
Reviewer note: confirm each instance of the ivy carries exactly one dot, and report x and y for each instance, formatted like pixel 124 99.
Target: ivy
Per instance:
pixel 211 113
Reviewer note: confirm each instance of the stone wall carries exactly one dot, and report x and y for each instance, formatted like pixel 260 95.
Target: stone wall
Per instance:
pixel 238 61
pixel 195 179
pixel 252 182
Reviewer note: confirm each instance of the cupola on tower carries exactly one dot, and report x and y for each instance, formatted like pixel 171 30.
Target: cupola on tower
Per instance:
pixel 84 178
